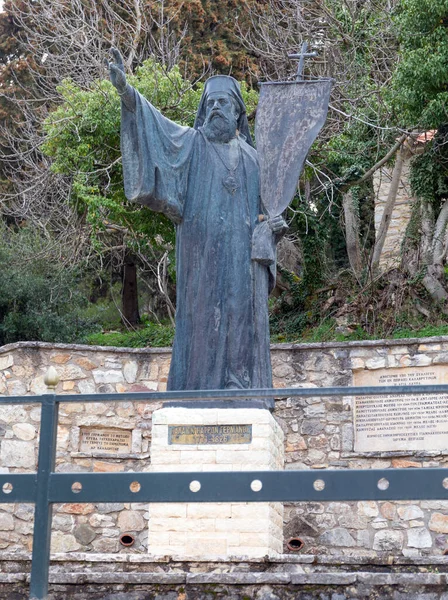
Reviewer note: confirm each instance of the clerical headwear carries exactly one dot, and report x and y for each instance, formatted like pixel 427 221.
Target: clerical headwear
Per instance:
pixel 219 84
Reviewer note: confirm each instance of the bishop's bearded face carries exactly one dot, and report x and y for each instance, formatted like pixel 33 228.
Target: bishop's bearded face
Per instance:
pixel 221 118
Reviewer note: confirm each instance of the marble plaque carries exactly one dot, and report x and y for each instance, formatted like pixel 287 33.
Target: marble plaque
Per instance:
pixel 392 422
pixel 112 441
pixel 209 434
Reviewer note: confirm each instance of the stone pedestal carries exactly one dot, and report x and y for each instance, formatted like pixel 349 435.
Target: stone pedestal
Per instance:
pixel 218 529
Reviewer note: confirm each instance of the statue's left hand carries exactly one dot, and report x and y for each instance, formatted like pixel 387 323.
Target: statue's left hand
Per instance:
pixel 278 226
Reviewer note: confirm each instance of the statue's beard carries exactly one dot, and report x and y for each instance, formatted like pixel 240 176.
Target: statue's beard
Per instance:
pixel 219 127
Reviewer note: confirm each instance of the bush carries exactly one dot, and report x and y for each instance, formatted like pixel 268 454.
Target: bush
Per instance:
pixel 152 335
pixel 39 301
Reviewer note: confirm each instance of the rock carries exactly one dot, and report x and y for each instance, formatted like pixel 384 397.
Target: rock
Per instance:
pixel 106 388
pixel 110 507
pixel 339 537
pixel 85 363
pixel 439 523
pixel 347 437
pixel 130 371
pixel 283 370
pixel 114 533
pixel 68 386
pixel 24 512
pixel 130 520
pixel 17 454
pixel 24 431
pixel 357 364
pixel 368 509
pixel 315 456
pixel 375 363
pixel 335 442
pixel 311 427
pixel 63 542
pixel 111 376
pixel 379 523
pixel 84 534
pixel 38 386
pixel 419 538
pixel 34 414
pixel 105 545
pixel 112 363
pixel 388 510
pixel 96 408
pixel 353 521
pixel 295 442
pixel 434 504
pixel 403 463
pixel 6 522
pixel 61 522
pixel 101 521
pixel 421 360
pixel 363 538
pixel 60 359
pixel 86 387
pixel 388 539
pixel 314 410
pixel 12 414
pixel 100 466
pixel 77 509
pixel 16 388
pixel 71 372
pixel 408 513
pixel 6 361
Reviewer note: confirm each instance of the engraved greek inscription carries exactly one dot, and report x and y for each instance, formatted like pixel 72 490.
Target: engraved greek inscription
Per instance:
pixel 209 434
pixel 105 440
pixel 393 422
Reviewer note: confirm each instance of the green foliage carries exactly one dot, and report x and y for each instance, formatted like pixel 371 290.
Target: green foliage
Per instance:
pixel 429 174
pixel 84 142
pixel 420 84
pixel 38 300
pixel 152 336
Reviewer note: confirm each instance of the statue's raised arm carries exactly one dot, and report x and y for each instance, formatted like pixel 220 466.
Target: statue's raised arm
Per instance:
pixel 156 151
pixel 118 78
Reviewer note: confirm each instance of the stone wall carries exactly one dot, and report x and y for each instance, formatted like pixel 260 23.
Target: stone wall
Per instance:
pixel 318 434
pixel 135 577
pixel 401 214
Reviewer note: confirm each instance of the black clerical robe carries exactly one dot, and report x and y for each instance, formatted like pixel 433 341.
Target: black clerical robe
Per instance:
pixel 222 330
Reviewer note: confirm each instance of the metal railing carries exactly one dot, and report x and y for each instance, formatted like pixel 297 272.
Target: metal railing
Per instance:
pixel 45 487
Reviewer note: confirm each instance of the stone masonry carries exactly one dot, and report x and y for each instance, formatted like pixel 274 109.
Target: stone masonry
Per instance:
pixel 401 214
pixel 222 529
pixel 318 434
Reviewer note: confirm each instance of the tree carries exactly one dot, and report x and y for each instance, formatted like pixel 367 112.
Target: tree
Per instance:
pixel 46 42
pixel 420 98
pixel 83 143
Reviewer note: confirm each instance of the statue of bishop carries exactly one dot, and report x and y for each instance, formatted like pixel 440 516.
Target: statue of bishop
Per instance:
pixel 206 180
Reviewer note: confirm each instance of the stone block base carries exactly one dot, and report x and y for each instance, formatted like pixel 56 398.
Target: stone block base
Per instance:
pixel 218 529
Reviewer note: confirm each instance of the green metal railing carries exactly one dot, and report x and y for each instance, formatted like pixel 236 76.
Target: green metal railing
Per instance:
pixel 46 487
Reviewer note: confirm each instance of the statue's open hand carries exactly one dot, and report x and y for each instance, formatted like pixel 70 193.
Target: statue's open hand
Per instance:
pixel 116 70
pixel 278 226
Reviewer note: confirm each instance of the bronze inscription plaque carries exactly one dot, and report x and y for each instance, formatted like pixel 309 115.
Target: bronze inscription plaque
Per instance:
pixel 105 440
pixel 209 434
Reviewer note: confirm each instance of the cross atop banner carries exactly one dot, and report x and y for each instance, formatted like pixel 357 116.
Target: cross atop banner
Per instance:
pixel 290 115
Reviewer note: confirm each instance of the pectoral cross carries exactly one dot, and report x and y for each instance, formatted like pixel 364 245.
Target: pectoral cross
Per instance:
pixel 301 56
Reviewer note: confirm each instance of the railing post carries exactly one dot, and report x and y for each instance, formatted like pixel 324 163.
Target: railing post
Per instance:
pixel 43 509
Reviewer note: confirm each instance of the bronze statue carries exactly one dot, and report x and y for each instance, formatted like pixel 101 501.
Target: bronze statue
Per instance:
pixel 206 180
